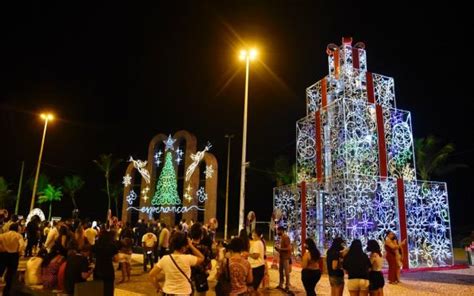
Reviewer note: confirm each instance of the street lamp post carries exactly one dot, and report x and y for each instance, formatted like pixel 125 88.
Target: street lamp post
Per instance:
pixel 46 117
pixel 229 137
pixel 246 55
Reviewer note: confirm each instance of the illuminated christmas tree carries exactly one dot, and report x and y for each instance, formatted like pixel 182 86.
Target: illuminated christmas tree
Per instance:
pixel 166 188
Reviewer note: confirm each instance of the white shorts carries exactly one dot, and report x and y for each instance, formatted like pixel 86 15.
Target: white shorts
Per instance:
pixel 358 285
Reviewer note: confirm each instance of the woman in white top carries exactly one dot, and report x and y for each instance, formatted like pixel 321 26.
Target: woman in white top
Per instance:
pixel 256 258
pixel 33 268
pixel 174 265
pixel 376 280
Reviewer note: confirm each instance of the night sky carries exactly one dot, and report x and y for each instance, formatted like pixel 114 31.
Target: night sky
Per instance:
pixel 117 74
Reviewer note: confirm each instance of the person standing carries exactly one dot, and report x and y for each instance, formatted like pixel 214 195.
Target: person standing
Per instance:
pixel 125 258
pixel 236 268
pixel 311 273
pixel 357 265
pixel 256 259
pixel 177 266
pixel 164 240
pixel 13 220
pixel 199 272
pixel 52 236
pixel 334 266
pixel 90 233
pixel 105 251
pixel 376 280
pixel 32 235
pixel 11 244
pixel 285 254
pixel 157 232
pixel 149 242
pixel 393 250
pixel 140 230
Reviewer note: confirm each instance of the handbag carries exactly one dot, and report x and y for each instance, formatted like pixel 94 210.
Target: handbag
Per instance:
pixel 189 281
pixel 200 280
pixel 224 287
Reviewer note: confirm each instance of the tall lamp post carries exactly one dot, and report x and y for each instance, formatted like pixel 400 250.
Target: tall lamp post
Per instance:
pixel 229 138
pixel 246 55
pixel 46 117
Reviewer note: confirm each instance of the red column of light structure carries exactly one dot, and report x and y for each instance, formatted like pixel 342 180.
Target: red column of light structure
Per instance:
pixel 303 216
pixel 381 140
pixel 403 223
pixel 324 93
pixel 355 58
pixel 380 126
pixel 370 88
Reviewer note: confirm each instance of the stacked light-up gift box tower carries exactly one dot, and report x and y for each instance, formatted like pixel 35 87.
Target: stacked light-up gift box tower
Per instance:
pixel 356 175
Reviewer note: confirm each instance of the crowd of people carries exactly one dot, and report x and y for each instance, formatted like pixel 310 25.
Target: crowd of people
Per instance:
pixel 66 252
pixel 364 270
pixel 62 253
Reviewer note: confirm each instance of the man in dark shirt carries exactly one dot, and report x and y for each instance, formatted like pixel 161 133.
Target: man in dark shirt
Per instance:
pixel 32 233
pixel 77 269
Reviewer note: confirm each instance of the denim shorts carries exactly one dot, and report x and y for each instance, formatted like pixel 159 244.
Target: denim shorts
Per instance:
pixel 336 280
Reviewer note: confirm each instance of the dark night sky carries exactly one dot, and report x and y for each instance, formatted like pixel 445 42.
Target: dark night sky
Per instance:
pixel 118 74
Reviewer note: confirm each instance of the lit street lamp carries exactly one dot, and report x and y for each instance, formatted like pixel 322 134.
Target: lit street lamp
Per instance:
pixel 46 117
pixel 229 137
pixel 246 55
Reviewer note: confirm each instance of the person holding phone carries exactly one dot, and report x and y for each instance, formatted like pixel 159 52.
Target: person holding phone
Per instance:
pixel 394 257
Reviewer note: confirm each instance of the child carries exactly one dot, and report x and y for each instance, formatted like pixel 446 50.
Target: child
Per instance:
pixel 125 258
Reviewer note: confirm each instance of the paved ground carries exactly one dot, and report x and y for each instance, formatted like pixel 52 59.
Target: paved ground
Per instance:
pixel 451 282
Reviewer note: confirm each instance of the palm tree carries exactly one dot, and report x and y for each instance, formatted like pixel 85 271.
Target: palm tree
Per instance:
pixel 71 185
pixel 283 172
pixel 432 158
pixel 5 195
pixel 107 164
pixel 49 195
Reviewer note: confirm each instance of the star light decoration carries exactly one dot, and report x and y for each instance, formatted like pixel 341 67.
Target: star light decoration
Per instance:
pixel 209 171
pixel 145 193
pixel 169 143
pixel 157 158
pixel 127 180
pixel 187 194
pixel 179 155
pixel 201 194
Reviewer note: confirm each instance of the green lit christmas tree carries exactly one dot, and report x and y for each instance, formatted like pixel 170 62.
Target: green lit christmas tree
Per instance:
pixel 167 186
